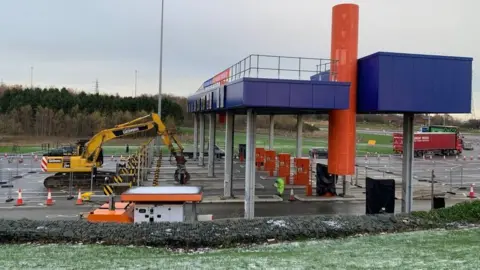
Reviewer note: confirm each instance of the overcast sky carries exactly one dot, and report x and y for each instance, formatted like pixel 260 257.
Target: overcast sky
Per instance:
pixel 72 43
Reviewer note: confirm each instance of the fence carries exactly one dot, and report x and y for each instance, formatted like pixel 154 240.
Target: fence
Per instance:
pixel 275 67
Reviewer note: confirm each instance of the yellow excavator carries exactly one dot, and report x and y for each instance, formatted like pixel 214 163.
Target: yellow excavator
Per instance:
pixel 89 154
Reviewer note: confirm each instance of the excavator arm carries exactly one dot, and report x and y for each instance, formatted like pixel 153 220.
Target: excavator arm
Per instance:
pixel 93 146
pixel 89 154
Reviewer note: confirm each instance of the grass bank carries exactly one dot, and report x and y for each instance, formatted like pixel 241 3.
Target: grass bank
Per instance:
pixel 456 249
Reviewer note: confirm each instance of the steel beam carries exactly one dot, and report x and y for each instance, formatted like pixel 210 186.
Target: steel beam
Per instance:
pixel 272 132
pixel 229 129
pixel 211 145
pixel 407 162
pixel 299 135
pixel 250 166
pixel 201 160
pixel 195 136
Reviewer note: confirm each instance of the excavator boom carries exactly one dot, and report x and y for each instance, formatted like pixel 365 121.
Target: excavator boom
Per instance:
pixel 92 153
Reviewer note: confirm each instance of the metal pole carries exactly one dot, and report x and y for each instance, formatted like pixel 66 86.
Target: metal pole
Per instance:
pixel 160 72
pixel 31 77
pixel 461 177
pixel 451 182
pixel 407 162
pixel 70 187
pixel 91 180
pixel 195 136
pixel 135 93
pixel 432 186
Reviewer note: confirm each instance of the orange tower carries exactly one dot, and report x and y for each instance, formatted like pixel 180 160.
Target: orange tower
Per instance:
pixel 342 123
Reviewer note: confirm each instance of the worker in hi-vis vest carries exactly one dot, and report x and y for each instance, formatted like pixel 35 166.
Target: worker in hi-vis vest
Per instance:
pixel 280 185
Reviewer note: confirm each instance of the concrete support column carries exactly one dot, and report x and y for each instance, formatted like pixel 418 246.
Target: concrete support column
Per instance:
pixel 211 145
pixel 250 166
pixel 272 131
pixel 201 161
pixel 195 136
pixel 299 135
pixel 229 129
pixel 407 162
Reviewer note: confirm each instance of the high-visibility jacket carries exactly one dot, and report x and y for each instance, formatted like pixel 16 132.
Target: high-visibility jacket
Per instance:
pixel 280 185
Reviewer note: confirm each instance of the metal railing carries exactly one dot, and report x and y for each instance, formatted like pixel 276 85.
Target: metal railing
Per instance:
pixel 275 67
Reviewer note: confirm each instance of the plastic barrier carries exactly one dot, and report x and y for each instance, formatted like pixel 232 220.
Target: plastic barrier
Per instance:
pixel 302 166
pixel 270 162
pixel 259 157
pixel 284 167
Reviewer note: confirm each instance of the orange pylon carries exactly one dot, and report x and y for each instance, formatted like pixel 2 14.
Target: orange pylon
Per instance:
pixel 292 196
pixel 471 194
pixel 19 199
pixel 79 198
pixel 49 201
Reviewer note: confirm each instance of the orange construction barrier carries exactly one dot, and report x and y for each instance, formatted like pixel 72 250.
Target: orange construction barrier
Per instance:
pixel 259 157
pixel 79 198
pixel 302 167
pixel 270 161
pixel 284 167
pixel 19 199
pixel 49 201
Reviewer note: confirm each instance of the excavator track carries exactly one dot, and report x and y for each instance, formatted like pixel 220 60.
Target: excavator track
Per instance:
pixel 80 180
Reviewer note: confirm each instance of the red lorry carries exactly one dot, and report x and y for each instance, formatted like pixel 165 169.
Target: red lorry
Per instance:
pixel 431 143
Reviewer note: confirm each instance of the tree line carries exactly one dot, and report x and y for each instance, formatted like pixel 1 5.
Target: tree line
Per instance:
pixel 69 113
pixel 64 112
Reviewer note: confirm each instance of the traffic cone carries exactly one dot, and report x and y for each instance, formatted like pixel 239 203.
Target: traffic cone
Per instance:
pixel 19 199
pixel 292 196
pixel 49 198
pixel 471 194
pixel 79 198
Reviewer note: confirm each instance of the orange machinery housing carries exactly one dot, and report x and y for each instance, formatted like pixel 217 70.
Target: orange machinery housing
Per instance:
pixel 302 171
pixel 153 198
pixel 284 167
pixel 270 162
pixel 259 157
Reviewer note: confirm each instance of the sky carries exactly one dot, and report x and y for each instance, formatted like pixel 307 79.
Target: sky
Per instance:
pixel 74 43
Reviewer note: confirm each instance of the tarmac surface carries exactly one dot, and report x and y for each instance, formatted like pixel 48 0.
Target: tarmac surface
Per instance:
pixel 451 174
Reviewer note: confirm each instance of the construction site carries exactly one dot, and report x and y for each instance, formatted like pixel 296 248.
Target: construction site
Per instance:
pixel 166 181
pixel 229 187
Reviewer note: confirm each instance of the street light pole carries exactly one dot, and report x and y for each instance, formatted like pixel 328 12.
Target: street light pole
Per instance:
pixel 160 71
pixel 135 93
pixel 31 77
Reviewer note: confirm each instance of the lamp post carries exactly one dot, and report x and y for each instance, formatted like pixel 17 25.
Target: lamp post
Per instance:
pixel 135 88
pixel 160 72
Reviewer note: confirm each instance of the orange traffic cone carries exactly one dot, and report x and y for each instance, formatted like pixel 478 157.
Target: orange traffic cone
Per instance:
pixel 49 198
pixel 79 198
pixel 19 199
pixel 471 194
pixel 292 196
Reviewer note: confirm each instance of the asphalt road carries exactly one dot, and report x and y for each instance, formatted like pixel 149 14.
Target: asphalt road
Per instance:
pixel 34 194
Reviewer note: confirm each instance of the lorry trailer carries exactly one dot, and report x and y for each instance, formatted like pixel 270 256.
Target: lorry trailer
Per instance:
pixel 431 143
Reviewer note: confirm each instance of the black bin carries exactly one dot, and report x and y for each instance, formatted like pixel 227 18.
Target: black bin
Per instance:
pixel 438 202
pixel 380 196
pixel 325 181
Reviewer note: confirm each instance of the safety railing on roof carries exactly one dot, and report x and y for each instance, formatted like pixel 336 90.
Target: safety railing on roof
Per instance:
pixel 274 67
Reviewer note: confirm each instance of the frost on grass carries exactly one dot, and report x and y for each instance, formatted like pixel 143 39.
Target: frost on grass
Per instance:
pixel 277 223
pixel 441 249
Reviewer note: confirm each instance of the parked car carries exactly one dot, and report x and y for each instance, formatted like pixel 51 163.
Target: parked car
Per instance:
pixel 318 152
pixel 219 153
